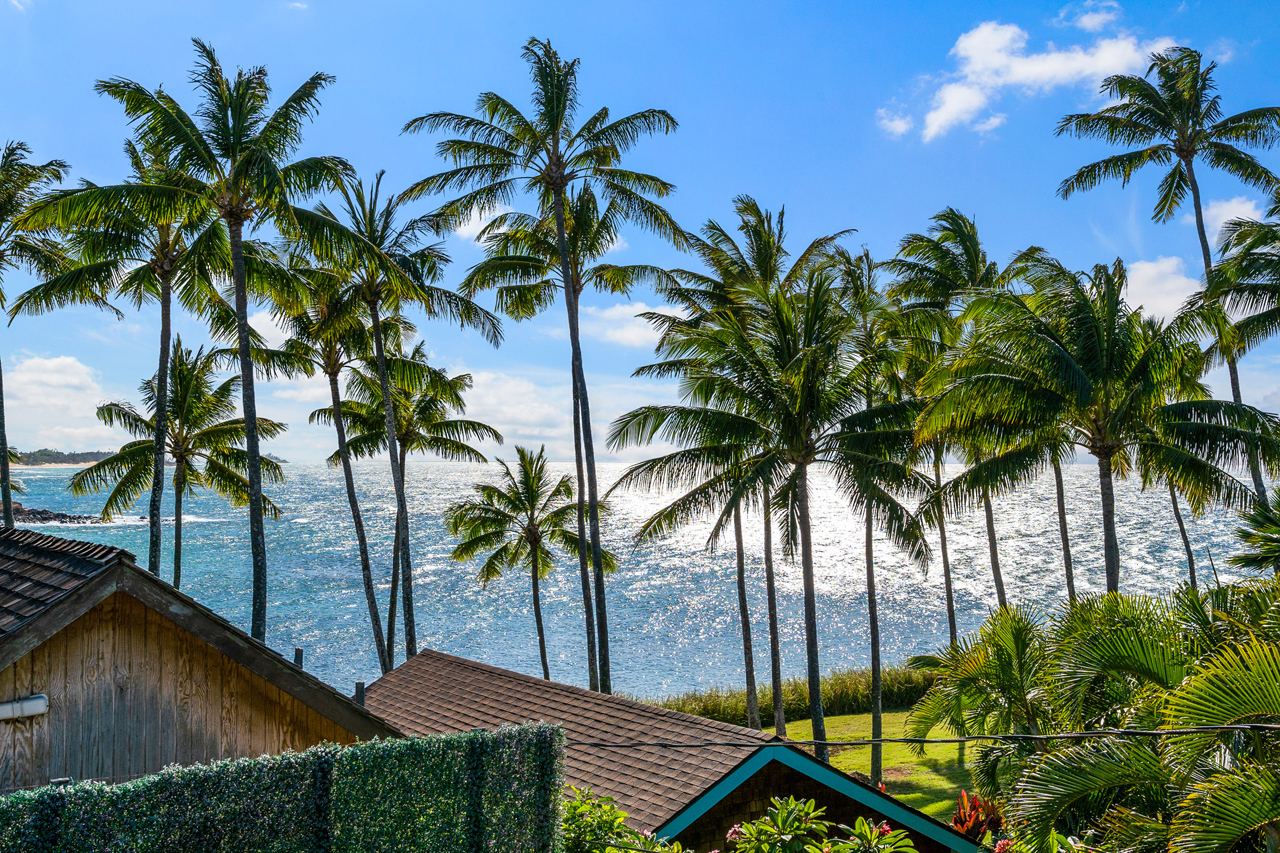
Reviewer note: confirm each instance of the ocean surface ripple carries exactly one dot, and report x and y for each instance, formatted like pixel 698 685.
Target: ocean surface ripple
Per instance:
pixel 673 615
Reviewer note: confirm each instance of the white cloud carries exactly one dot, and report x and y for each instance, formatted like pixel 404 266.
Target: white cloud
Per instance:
pixel 991 123
pixel 992 57
pixel 893 123
pixel 1222 210
pixel 304 389
pixel 618 324
pixel 471 229
pixel 1223 50
pixel 619 244
pixel 20 5
pixel 1091 15
pixel 266 324
pixel 1160 286
pixel 52 402
pixel 297 5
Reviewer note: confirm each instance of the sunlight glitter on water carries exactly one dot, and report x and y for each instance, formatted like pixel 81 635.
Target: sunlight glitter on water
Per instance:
pixel 673 614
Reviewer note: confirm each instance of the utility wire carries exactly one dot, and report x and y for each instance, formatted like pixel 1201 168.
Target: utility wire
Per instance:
pixel 1085 735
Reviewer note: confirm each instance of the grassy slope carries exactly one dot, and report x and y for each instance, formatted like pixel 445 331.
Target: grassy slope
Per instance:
pixel 930 784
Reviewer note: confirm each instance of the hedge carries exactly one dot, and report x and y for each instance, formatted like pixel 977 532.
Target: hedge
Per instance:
pixel 480 791
pixel 845 691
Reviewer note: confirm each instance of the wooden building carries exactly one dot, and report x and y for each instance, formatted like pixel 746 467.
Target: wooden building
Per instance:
pixel 109 673
pixel 676 775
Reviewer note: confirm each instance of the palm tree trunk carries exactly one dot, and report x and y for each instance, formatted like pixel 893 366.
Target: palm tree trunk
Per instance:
pixel 1110 545
pixel 991 547
pixel 406 576
pixel 744 617
pixel 366 569
pixel 1186 541
pixel 584 568
pixel 946 558
pixel 810 617
pixel 537 618
pixel 877 687
pixel 1259 487
pixel 1062 530
pixel 588 446
pixel 397 480
pixel 6 496
pixel 391 598
pixel 179 485
pixel 775 644
pixel 257 534
pixel 161 428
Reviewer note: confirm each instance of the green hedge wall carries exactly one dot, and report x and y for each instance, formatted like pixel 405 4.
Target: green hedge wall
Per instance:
pixel 494 793
pixel 480 791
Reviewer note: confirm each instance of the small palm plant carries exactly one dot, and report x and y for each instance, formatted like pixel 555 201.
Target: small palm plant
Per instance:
pixel 519 522
pixel 204 440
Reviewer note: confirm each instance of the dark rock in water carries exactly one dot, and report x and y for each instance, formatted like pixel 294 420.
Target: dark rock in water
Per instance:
pixel 22 515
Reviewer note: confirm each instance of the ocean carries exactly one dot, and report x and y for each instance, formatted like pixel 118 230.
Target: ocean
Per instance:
pixel 673 615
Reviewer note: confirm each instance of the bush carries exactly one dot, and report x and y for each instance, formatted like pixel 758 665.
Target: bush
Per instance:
pixel 843 692
pixel 594 824
pixel 481 791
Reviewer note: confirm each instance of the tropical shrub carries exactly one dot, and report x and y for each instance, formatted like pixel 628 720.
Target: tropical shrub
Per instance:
pixel 1187 660
pixel 594 824
pixel 797 826
pixel 843 692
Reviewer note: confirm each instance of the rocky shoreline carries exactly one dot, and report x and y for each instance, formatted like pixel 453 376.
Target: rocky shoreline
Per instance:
pixel 23 515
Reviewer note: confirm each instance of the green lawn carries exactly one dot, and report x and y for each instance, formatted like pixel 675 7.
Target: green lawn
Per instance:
pixel 930 783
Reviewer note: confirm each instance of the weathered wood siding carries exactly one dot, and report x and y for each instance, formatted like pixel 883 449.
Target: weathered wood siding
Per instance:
pixel 130 692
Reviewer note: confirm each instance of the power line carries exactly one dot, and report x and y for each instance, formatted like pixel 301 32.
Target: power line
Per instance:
pixel 1015 738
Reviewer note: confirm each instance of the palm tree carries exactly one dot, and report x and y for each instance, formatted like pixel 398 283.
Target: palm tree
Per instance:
pixel 522 265
pixel 21 183
pixel 332 336
pixel 204 441
pixel 766 398
pixel 140 253
pixel 939 272
pixel 389 270
pixel 235 150
pixel 423 399
pixel 763 263
pixel 1074 356
pixel 504 153
pixel 1178 120
pixel 519 522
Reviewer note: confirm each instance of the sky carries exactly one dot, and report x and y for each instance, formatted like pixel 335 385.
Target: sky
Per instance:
pixel 867 116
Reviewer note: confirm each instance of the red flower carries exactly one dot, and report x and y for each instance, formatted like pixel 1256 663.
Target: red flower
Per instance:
pixel 885 829
pixel 1004 845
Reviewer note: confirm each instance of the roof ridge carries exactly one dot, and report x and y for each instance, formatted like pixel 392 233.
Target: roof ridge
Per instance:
pixel 605 698
pixel 92 551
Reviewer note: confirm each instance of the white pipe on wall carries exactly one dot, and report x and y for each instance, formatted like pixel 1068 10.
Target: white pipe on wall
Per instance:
pixel 32 706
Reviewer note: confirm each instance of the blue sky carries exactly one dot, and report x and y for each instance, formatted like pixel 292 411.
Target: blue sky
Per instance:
pixel 866 116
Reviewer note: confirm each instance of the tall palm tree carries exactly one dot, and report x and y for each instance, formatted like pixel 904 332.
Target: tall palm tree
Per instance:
pixel 1074 356
pixel 520 521
pixel 389 269
pixel 1173 113
pixel 140 253
pixel 21 183
pixel 423 399
pixel 940 271
pixel 522 265
pixel 332 336
pixel 757 258
pixel 782 389
pixel 235 149
pixel 504 153
pixel 204 441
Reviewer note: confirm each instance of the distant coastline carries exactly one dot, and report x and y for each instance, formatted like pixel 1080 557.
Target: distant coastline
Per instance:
pixel 47 456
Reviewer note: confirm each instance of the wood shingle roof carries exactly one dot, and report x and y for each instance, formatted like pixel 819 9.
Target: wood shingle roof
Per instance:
pixel 435 692
pixel 37 571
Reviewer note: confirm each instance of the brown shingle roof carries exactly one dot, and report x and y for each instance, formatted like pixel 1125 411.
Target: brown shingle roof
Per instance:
pixel 434 692
pixel 37 570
